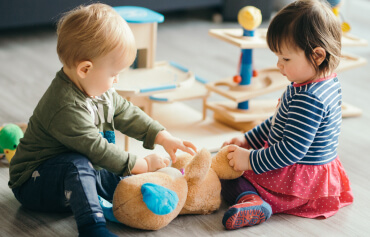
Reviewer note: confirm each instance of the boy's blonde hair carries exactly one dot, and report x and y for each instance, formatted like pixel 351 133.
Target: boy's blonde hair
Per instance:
pixel 307 24
pixel 89 32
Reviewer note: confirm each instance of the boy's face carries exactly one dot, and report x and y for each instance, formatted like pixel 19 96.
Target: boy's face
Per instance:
pixel 293 64
pixel 104 72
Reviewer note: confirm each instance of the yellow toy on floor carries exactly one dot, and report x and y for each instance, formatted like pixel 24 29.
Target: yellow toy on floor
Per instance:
pixel 151 201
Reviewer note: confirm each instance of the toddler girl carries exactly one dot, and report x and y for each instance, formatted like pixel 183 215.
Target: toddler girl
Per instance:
pixel 293 165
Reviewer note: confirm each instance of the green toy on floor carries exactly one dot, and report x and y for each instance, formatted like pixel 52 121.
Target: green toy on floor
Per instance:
pixel 10 134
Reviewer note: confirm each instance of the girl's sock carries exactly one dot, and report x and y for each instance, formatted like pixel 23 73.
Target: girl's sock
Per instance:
pixel 249 210
pixel 95 230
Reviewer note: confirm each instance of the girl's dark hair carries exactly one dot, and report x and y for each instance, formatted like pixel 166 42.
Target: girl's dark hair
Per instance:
pixel 307 24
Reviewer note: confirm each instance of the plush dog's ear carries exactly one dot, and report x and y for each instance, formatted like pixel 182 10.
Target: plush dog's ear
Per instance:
pixel 198 167
pixel 182 161
pixel 160 200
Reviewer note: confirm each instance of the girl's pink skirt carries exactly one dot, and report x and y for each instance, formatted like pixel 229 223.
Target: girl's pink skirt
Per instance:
pixel 304 190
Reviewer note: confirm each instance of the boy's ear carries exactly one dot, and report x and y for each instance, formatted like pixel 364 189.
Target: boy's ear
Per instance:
pixel 319 55
pixel 83 68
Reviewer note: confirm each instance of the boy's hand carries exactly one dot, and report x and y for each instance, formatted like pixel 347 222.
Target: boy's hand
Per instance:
pixel 239 158
pixel 171 144
pixel 239 141
pixel 156 162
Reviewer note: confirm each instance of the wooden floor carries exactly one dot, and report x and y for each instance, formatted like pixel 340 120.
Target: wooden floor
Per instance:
pixel 28 62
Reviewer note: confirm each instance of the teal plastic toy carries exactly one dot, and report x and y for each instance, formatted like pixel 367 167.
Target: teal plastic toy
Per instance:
pixel 133 14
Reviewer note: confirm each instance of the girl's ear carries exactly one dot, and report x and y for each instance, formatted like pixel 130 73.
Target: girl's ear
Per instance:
pixel 83 68
pixel 319 55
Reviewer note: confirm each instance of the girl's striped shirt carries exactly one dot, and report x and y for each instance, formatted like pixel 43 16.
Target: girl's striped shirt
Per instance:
pixel 304 129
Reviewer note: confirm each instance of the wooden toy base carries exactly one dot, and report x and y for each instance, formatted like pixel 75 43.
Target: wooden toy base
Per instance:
pixel 165 82
pixel 348 62
pixel 162 77
pixel 351 40
pixel 240 126
pixel 268 80
pixel 350 111
pixel 235 37
pixel 258 110
pixel 196 91
pixel 185 123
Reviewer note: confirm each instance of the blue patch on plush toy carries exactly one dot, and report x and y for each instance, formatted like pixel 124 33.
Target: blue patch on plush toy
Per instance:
pixel 158 199
pixel 107 210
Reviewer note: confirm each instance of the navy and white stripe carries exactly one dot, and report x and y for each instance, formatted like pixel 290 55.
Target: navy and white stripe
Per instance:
pixel 304 130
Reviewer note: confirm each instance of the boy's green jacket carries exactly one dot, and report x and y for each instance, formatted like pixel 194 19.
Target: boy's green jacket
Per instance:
pixel 66 120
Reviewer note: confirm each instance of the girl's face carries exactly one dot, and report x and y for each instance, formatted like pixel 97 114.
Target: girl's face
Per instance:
pixel 293 64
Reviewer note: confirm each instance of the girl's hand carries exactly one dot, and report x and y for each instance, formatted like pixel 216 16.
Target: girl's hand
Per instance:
pixel 156 162
pixel 239 158
pixel 171 144
pixel 239 141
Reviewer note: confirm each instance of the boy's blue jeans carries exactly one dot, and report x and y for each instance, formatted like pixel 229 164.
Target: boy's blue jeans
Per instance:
pixel 68 182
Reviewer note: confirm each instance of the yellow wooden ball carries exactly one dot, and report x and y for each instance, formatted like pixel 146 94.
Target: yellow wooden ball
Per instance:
pixel 249 17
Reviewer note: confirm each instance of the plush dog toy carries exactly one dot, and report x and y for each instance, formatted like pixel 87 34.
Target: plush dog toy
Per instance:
pixel 151 201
